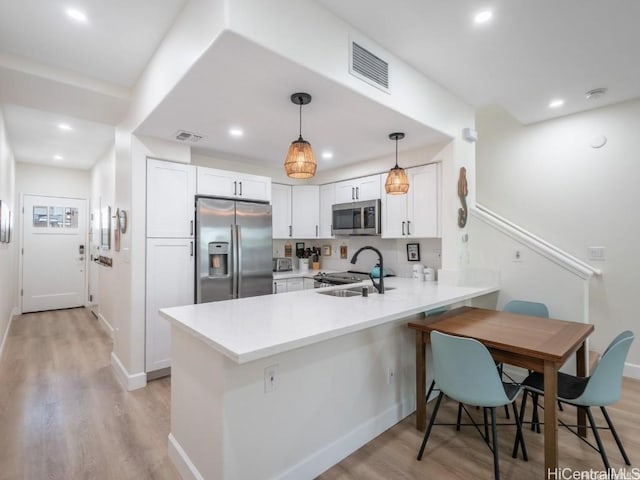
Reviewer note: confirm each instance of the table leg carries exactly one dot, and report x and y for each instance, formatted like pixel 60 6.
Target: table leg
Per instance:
pixel 421 387
pixel 550 419
pixel 581 371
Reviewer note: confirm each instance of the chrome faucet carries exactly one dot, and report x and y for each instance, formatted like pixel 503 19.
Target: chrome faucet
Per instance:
pixel 380 284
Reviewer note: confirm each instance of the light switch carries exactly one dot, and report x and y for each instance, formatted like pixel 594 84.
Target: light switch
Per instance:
pixel 596 253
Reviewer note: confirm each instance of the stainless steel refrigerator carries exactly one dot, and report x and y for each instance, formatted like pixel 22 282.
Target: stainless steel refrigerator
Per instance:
pixel 233 249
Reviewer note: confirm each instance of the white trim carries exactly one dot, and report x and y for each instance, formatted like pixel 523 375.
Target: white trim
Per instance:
pixel 15 311
pixel 128 382
pixel 535 243
pixel 106 325
pixel 631 370
pixel 186 469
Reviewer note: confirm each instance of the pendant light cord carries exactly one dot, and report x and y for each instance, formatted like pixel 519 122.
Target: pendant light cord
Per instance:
pixel 396 152
pixel 300 117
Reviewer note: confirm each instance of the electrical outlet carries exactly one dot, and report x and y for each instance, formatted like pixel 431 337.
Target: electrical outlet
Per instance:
pixel 271 378
pixel 517 255
pixel 596 253
pixel 391 373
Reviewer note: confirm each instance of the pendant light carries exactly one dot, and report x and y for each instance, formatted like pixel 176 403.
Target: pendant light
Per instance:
pixel 300 162
pixel 397 182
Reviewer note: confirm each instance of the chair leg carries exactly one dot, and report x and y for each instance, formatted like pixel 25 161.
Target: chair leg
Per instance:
pixel 486 426
pixel 615 435
pixel 496 468
pixel 431 387
pixel 506 412
pixel 431 422
pixel 603 452
pixel 535 419
pixel 519 435
pixel 459 420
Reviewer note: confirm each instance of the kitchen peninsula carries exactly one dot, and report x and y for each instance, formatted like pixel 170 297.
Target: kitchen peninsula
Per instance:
pixel 284 386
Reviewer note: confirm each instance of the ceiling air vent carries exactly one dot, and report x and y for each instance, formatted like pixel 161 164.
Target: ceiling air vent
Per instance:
pixel 369 67
pixel 185 136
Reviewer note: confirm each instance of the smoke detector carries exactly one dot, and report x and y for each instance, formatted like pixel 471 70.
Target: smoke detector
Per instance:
pixel 185 136
pixel 596 93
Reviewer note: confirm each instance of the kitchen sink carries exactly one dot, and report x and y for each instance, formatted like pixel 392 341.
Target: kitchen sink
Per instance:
pixel 351 292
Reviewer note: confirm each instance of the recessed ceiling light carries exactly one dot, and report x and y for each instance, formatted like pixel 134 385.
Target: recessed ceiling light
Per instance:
pixel 57 157
pixel 556 103
pixel 64 126
pixel 483 16
pixel 327 155
pixel 236 132
pixel 77 15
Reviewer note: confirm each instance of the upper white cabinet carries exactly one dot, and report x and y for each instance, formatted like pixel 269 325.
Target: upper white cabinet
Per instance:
pixel 281 210
pixel 295 211
pixel 327 199
pixel 363 188
pixel 171 188
pixel 415 214
pixel 305 211
pixel 243 186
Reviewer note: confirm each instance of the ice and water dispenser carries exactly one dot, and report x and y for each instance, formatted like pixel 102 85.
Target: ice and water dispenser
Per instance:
pixel 218 259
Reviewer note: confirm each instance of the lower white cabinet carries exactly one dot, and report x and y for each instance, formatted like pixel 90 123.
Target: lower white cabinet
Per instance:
pixel 170 282
pixel 292 284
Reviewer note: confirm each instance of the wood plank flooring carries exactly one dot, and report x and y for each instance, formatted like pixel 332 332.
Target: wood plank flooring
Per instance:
pixel 64 416
pixel 62 413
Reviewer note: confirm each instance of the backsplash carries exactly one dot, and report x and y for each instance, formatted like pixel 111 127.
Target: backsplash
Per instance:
pixel 394 252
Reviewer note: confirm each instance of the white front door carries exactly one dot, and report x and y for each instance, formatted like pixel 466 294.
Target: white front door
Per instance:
pixel 54 258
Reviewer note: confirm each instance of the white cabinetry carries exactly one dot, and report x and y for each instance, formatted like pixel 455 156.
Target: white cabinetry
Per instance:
pixel 242 186
pixel 363 188
pixel 327 199
pixel 292 284
pixel 305 211
pixel 170 264
pixel 171 189
pixel 281 210
pixel 415 214
pixel 295 211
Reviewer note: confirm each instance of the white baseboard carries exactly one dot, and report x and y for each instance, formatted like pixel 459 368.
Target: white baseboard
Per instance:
pixel 127 381
pixel 15 311
pixel 186 469
pixel 631 370
pixel 106 325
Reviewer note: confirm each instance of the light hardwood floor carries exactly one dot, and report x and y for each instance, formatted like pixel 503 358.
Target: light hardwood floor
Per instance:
pixel 64 416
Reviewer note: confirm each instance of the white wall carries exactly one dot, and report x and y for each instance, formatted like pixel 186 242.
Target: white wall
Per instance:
pixel 52 181
pixel 8 251
pixel 546 178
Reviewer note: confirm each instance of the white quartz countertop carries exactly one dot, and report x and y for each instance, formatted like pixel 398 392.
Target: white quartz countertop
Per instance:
pixel 248 329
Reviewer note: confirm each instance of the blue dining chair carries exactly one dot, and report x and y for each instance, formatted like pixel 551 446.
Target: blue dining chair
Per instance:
pixel 523 307
pixel 465 371
pixel 602 388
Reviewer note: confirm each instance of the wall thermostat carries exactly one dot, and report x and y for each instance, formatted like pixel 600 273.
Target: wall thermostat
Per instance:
pixel 470 134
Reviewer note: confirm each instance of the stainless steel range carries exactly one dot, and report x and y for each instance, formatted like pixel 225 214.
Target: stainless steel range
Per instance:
pixel 339 278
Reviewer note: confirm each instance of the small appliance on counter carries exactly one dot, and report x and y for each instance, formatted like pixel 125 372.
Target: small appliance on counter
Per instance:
pixel 282 264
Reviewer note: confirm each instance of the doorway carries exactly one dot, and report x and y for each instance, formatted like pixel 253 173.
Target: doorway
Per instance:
pixel 53 255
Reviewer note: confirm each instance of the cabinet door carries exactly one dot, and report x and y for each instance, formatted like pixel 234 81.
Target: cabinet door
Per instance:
pixel 327 199
pixel 254 187
pixel 309 283
pixel 305 211
pixel 295 284
pixel 394 215
pixel 280 286
pixel 368 188
pixel 170 281
pixel 345 191
pixel 423 203
pixel 219 183
pixel 171 188
pixel 281 210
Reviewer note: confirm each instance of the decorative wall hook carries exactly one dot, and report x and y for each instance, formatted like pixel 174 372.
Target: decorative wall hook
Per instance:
pixel 462 194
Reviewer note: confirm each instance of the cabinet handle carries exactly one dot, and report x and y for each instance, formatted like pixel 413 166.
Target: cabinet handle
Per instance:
pixel 316 230
pixel 332 229
pixel 353 193
pixel 275 287
pixel 357 193
pixel 290 231
pixel 240 188
pixel 403 228
pixel 191 228
pixel 235 187
pixel 192 249
pixel 408 227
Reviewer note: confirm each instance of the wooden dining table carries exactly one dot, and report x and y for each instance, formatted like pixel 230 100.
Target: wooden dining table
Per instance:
pixel 538 344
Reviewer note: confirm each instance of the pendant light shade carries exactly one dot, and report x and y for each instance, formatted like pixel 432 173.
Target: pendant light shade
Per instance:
pixel 397 182
pixel 300 162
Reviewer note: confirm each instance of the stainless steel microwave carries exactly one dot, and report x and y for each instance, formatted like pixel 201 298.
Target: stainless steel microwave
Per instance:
pixel 356 218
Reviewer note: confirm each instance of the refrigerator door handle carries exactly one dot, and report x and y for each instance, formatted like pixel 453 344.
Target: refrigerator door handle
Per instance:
pixel 239 262
pixel 235 264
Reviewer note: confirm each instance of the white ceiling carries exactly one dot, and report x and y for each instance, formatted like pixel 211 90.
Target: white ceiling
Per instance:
pixel 531 52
